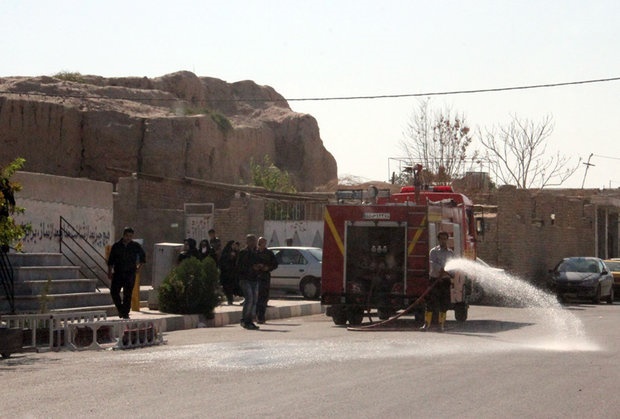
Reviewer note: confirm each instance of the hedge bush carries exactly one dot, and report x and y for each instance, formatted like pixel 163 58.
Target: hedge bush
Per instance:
pixel 192 287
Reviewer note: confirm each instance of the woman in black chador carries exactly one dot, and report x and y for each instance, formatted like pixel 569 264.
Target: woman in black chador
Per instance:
pixel 228 271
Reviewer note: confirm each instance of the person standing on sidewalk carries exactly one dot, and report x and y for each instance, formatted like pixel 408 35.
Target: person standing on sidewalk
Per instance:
pixel 228 270
pixel 247 269
pixel 125 260
pixel 267 263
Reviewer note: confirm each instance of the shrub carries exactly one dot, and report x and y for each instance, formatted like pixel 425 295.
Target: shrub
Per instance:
pixel 10 231
pixel 191 288
pixel 73 76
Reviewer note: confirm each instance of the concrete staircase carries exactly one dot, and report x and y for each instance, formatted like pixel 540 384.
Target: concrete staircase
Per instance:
pixel 45 279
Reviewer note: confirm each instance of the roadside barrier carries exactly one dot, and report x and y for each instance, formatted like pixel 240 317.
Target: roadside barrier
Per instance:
pixel 118 334
pixel 82 331
pixel 49 331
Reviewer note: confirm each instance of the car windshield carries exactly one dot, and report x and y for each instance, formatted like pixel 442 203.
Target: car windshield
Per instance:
pixel 578 265
pixel 613 265
pixel 317 253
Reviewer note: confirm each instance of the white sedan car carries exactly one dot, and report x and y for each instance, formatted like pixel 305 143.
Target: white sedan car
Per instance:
pixel 299 269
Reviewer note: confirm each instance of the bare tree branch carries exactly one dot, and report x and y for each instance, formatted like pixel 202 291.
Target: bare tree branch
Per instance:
pixel 438 141
pixel 517 154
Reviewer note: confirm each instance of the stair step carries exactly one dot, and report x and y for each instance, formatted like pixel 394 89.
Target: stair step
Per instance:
pixel 84 300
pixel 36 259
pixel 26 273
pixel 56 286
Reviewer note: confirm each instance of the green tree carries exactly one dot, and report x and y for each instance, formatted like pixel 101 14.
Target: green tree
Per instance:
pixel 191 288
pixel 267 175
pixel 10 231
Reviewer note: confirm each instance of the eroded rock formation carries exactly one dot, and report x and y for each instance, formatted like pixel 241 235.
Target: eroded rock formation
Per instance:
pixel 178 125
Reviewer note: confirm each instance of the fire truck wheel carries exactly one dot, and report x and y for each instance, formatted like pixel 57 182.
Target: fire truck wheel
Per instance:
pixel 310 288
pixel 418 314
pixel 355 316
pixel 477 294
pixel 460 312
pixel 339 315
pixel 384 313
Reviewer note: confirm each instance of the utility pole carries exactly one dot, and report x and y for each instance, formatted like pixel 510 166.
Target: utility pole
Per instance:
pixel 587 167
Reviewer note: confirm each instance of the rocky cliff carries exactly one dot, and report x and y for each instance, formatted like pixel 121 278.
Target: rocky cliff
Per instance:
pixel 178 125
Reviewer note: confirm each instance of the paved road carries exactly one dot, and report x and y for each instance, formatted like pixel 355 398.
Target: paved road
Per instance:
pixel 503 362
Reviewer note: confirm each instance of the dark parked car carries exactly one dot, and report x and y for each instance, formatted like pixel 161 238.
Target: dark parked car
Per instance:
pixel 582 278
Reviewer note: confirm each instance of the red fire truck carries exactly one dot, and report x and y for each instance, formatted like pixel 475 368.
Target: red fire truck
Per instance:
pixel 376 250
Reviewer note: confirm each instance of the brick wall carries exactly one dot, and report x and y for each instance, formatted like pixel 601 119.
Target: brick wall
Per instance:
pixel 524 239
pixel 154 208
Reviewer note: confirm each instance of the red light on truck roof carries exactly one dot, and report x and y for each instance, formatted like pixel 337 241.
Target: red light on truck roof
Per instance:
pixel 442 188
pixel 436 188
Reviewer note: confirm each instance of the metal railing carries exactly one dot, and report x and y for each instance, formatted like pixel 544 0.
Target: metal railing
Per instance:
pixel 7 279
pixel 80 252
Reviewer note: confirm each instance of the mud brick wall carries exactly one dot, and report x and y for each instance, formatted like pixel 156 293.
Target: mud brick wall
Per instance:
pixel 154 208
pixel 526 240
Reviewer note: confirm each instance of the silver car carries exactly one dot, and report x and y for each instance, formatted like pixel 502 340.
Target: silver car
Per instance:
pixel 299 269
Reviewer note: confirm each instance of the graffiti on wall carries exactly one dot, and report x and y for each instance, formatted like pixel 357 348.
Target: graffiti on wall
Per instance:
pixel 51 232
pixel 300 233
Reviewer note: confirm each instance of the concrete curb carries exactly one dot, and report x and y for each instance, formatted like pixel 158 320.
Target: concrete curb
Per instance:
pixel 226 315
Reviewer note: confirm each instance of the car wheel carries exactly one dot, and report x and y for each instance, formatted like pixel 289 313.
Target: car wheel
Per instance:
pixel 610 297
pixel 460 312
pixel 310 288
pixel 355 316
pixel 597 296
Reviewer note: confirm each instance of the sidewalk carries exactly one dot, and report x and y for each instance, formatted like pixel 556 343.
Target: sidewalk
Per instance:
pixel 225 314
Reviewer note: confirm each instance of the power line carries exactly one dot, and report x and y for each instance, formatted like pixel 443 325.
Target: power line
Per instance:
pixel 606 157
pixel 309 99
pixel 461 92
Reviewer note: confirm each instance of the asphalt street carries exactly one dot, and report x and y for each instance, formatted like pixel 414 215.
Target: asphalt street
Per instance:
pixel 502 362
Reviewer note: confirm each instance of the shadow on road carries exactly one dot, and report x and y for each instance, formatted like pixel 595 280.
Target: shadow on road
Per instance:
pixel 21 359
pixel 468 327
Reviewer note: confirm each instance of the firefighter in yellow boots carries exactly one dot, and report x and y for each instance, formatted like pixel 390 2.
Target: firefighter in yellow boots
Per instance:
pixel 438 299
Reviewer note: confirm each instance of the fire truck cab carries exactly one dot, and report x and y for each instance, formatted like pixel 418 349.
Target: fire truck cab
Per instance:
pixel 376 251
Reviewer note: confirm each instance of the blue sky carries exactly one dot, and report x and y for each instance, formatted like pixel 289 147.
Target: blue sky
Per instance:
pixel 355 48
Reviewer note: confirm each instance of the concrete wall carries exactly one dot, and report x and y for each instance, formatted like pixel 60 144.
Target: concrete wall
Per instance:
pixel 86 204
pixel 303 233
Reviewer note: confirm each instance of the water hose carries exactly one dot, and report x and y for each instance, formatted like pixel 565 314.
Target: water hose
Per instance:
pixel 371 326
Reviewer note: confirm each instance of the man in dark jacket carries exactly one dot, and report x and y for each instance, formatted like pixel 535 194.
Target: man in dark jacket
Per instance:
pixel 248 281
pixel 267 262
pixel 125 259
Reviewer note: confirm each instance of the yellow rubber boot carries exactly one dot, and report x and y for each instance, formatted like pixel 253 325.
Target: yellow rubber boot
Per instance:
pixel 428 319
pixel 442 320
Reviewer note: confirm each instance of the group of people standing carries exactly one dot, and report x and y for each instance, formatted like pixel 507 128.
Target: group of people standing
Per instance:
pixel 243 272
pixel 207 247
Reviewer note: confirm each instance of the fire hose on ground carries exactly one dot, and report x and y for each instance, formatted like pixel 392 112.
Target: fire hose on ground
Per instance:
pixel 411 306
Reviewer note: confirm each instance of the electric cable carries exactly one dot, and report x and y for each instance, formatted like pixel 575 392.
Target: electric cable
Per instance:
pixel 333 98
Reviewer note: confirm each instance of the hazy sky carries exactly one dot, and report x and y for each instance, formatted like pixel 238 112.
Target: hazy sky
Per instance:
pixel 337 48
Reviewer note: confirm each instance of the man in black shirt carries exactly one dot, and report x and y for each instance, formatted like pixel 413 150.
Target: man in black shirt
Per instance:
pixel 247 271
pixel 125 259
pixel 267 262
